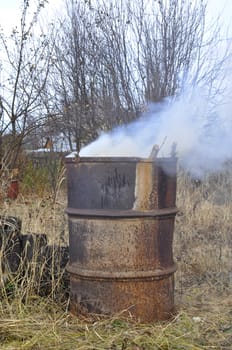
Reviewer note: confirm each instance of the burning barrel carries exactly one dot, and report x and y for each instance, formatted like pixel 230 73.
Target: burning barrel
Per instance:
pixel 121 214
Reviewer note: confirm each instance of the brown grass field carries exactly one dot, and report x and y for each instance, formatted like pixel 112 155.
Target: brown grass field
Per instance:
pixel 202 248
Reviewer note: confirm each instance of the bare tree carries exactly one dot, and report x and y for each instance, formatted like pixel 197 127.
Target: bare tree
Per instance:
pixel 74 76
pixel 114 57
pixel 26 63
pixel 119 91
pixel 95 85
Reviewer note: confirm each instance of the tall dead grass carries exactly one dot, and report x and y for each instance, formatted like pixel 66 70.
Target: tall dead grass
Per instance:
pixel 203 235
pixel 203 250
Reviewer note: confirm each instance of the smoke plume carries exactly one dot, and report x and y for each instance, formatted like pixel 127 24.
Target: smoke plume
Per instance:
pixel 200 130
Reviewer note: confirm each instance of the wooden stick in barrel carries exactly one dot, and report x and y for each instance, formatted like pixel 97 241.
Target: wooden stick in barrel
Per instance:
pixel 155 149
pixel 154 152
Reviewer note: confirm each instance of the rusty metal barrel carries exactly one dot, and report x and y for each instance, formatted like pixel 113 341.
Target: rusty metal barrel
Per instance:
pixel 121 214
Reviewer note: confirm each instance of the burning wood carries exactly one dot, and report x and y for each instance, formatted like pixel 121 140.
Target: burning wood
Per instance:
pixel 173 150
pixel 155 149
pixel 154 152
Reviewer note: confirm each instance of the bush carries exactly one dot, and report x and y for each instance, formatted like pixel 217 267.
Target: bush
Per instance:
pixel 43 175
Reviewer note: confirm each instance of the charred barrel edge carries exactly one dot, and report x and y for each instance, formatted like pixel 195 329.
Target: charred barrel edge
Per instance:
pixel 159 160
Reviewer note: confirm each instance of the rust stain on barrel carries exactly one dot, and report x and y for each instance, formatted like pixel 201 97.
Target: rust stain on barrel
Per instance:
pixel 121 236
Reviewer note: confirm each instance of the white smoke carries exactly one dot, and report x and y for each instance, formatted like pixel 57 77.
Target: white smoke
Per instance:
pixel 202 133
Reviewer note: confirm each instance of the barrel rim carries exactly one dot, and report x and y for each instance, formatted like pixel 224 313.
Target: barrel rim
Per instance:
pixel 115 213
pixel 119 159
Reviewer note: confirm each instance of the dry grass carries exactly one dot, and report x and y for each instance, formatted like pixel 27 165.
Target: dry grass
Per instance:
pixel 40 215
pixel 43 325
pixel 202 248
